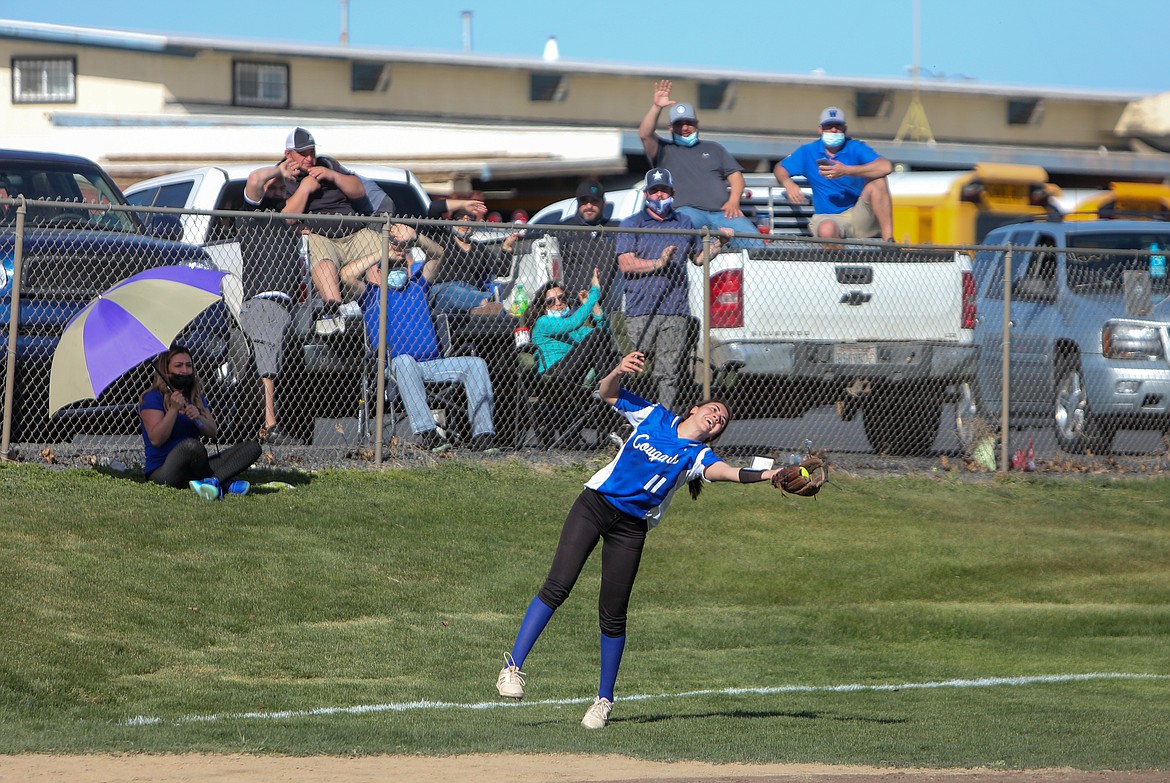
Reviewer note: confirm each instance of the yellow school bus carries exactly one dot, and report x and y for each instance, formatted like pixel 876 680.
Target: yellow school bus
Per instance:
pixel 1129 200
pixel 960 207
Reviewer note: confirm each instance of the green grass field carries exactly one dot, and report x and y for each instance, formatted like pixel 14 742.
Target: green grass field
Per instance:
pixel 368 612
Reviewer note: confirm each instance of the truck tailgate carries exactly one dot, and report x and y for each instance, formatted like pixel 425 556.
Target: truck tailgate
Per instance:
pixel 853 296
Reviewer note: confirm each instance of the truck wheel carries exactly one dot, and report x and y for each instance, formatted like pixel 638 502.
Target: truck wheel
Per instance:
pixel 972 422
pixel 902 421
pixel 1077 429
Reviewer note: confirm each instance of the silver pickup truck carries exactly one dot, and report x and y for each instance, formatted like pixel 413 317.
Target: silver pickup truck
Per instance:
pixel 1088 331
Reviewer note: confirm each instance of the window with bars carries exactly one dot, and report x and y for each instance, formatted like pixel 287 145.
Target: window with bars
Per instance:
pixel 260 84
pixel 717 95
pixel 550 87
pixel 1025 111
pixel 873 103
pixel 44 79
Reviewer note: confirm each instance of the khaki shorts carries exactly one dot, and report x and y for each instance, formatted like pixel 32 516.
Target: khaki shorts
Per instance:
pixel 857 222
pixel 343 251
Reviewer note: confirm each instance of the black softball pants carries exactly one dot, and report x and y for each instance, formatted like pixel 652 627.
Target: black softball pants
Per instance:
pixel 188 461
pixel 592 519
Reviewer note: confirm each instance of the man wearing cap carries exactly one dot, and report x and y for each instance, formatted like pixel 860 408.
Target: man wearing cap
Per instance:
pixel 708 178
pixel 655 268
pixel 851 194
pixel 322 186
pixel 584 251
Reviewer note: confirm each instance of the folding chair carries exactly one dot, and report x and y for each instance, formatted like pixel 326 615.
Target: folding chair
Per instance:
pixel 563 410
pixel 446 397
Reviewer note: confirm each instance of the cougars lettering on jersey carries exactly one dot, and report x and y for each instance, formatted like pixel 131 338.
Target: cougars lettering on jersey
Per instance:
pixel 642 444
pixel 652 464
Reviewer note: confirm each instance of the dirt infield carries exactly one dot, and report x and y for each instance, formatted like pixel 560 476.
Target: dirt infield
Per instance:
pixel 494 769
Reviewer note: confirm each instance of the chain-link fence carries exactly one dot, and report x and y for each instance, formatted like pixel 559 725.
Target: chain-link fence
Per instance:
pixel 366 335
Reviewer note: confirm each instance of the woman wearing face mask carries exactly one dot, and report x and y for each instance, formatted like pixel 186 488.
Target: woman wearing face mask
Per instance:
pixel 571 344
pixel 174 417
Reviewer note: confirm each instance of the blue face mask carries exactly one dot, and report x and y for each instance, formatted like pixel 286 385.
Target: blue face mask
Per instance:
pixel 686 141
pixel 557 313
pixel 661 208
pixel 397 279
pixel 833 139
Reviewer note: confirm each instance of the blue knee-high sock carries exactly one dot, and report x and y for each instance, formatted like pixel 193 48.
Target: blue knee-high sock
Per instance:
pixel 611 658
pixel 535 619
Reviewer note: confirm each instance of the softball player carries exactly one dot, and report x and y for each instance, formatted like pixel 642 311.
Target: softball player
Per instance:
pixel 619 504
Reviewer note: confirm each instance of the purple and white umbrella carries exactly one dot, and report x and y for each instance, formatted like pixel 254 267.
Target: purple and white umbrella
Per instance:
pixel 126 325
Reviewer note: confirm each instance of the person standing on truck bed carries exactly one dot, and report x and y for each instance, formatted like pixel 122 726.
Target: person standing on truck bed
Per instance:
pixel 709 180
pixel 657 310
pixel 322 186
pixel 851 194
pixel 270 272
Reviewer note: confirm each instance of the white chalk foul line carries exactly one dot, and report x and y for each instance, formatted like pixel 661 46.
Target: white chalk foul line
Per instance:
pixel 409 706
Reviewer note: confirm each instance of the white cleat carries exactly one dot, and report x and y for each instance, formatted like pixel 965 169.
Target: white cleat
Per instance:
pixel 510 683
pixel 598 715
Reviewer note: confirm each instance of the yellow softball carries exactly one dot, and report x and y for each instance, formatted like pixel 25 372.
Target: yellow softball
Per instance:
pixel 804 472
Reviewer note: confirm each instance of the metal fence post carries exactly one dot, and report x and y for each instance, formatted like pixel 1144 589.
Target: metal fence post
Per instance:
pixel 706 374
pixel 380 403
pixel 1005 359
pixel 13 327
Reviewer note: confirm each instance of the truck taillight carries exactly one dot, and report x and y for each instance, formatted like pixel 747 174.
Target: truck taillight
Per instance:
pixel 727 299
pixel 968 314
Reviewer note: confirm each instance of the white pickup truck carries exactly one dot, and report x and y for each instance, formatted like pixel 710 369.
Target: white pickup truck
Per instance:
pixel 222 188
pixel 319 362
pixel 876 329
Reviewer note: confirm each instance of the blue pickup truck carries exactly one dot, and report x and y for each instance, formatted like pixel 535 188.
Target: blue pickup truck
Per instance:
pixel 73 249
pixel 1088 330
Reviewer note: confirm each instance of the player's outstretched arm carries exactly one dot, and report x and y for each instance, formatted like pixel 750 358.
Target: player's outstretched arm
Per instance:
pixel 721 471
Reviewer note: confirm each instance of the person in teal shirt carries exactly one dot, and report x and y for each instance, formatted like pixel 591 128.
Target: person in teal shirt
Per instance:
pixel 571 344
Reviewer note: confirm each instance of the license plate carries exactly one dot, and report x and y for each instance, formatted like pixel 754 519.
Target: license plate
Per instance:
pixel 854 354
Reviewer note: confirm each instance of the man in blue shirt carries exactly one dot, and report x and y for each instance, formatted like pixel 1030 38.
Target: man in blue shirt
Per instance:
pixel 709 180
pixel 655 268
pixel 851 195
pixel 412 344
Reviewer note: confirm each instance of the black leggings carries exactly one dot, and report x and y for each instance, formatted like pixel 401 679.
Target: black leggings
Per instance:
pixel 188 461
pixel 592 518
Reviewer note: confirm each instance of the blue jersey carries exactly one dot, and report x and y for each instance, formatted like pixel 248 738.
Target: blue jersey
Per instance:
pixel 653 462
pixel 830 196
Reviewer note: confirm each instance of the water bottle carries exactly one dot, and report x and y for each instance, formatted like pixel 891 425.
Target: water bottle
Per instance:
pixel 1157 262
pixel 519 301
pixel 306 262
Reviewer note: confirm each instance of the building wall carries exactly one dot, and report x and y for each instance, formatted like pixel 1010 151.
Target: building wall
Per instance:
pixel 139 84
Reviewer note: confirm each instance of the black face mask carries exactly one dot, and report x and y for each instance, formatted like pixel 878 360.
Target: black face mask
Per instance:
pixel 184 382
